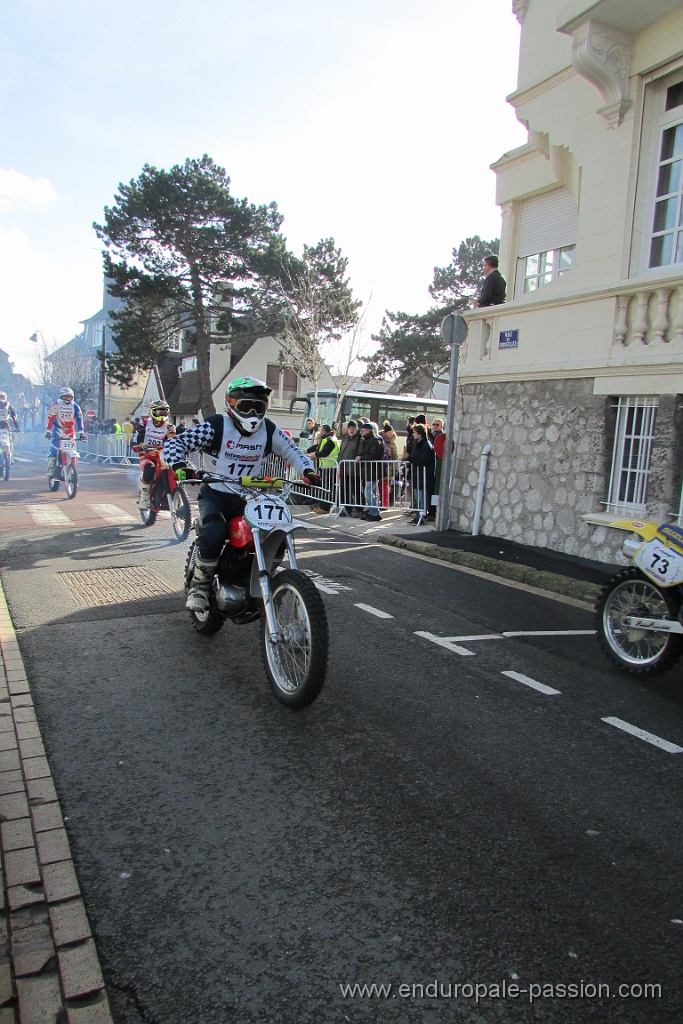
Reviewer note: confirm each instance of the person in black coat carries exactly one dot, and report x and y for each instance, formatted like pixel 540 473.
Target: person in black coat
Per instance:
pixel 493 290
pixel 422 461
pixel 371 455
pixel 348 472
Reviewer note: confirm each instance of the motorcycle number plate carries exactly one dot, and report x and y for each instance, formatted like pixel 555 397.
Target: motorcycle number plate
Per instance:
pixel 266 512
pixel 68 446
pixel 661 564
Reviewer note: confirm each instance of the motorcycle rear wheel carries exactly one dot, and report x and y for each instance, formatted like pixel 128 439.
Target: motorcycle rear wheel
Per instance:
pixel 53 483
pixel 181 515
pixel 296 665
pixel 148 516
pixel 71 481
pixel 206 623
pixel 642 652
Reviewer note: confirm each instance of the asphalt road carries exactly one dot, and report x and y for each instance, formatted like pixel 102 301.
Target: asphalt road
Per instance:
pixel 451 811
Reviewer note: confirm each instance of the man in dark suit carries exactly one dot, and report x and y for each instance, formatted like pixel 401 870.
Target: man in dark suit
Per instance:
pixel 493 290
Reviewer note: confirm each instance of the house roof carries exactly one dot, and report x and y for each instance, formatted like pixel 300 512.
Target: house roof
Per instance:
pixel 184 398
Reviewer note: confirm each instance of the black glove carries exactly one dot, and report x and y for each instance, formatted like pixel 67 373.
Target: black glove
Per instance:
pixel 311 478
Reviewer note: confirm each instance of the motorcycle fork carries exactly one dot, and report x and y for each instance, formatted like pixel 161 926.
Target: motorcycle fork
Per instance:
pixel 264 582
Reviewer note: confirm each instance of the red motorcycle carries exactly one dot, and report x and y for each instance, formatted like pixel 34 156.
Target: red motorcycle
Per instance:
pixel 64 469
pixel 166 494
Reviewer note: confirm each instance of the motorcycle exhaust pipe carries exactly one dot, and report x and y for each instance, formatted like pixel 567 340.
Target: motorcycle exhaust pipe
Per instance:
pixel 230 600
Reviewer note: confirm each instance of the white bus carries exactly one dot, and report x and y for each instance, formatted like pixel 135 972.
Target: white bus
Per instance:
pixel 375 405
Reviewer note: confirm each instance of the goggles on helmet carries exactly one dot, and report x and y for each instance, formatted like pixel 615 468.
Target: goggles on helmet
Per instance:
pixel 249 407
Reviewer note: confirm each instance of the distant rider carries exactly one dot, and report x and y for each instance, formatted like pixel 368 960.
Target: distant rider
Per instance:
pixel 154 431
pixel 63 420
pixel 9 418
pixel 7 411
pixel 236 444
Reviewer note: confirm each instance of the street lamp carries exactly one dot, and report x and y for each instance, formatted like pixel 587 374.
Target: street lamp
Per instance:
pixel 34 337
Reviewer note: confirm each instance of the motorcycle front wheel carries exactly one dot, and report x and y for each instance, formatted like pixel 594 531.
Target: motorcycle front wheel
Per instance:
pixel 181 516
pixel 206 623
pixel 296 661
pixel 642 652
pixel 71 481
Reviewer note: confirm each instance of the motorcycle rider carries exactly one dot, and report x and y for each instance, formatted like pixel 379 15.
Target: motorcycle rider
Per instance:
pixel 63 419
pixel 154 431
pixel 8 414
pixel 236 444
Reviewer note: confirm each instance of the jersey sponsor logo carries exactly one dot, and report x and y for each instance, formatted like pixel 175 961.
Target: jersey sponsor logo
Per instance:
pixel 241 447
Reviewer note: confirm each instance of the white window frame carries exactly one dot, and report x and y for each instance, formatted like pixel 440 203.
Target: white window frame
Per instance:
pixel 96 332
pixel 549 268
pixel 631 455
pixel 175 341
pixel 189 363
pixel 669 119
pixel 655 122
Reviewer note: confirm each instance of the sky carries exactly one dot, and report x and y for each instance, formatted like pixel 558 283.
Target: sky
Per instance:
pixel 371 121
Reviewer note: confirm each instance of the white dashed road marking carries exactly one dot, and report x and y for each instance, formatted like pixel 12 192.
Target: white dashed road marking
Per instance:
pixel 48 515
pixel 447 642
pixel 533 683
pixel 649 737
pixel 325 585
pixel 374 611
pixel 452 643
pixel 113 514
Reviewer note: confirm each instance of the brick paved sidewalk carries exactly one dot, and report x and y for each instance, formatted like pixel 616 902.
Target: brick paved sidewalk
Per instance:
pixel 49 969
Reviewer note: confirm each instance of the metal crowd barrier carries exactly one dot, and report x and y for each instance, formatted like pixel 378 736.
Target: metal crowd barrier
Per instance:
pixel 373 486
pixel 350 485
pixel 112 449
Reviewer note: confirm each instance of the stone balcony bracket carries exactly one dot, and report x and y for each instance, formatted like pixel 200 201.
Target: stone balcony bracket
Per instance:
pixel 601 54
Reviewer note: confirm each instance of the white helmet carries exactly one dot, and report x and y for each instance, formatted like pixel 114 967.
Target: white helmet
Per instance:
pixel 66 395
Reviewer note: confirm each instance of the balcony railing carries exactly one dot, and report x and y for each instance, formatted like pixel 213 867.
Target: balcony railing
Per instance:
pixel 649 315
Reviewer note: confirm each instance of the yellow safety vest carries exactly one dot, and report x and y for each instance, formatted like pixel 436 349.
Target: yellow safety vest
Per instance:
pixel 329 460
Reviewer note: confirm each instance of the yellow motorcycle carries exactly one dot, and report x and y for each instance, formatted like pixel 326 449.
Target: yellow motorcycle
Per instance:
pixel 638 613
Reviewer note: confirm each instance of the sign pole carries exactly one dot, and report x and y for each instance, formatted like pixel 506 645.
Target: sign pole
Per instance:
pixel 453 332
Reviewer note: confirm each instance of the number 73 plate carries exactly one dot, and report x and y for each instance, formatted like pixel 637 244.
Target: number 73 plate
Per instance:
pixel 266 512
pixel 663 565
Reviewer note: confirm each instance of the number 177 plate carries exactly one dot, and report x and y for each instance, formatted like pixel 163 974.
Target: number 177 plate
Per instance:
pixel 267 512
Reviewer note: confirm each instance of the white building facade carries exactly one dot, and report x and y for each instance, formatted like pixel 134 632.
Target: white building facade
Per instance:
pixel 576 381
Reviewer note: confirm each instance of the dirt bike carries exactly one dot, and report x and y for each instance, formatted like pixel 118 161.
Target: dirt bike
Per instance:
pixel 5 450
pixel 65 467
pixel 166 495
pixel 251 583
pixel 638 613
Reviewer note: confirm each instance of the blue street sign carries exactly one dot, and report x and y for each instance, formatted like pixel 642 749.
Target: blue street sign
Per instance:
pixel 508 339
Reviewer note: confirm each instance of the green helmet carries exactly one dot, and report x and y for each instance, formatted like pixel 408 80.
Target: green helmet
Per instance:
pixel 246 401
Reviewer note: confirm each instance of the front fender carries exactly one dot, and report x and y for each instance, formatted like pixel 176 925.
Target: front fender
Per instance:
pixel 271 544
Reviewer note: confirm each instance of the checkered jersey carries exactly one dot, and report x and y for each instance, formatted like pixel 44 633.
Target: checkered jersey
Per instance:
pixel 195 439
pixel 234 454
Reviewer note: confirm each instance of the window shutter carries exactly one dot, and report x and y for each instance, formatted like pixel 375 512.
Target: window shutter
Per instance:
pixel 290 382
pixel 547 222
pixel 273 376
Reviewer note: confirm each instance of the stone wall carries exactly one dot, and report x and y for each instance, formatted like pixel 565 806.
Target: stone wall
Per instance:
pixel 551 450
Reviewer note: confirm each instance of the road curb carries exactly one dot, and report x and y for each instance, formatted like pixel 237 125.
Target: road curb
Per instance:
pixel 49 968
pixel 581 590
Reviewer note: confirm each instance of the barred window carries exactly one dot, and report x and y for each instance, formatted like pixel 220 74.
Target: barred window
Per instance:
pixel 631 455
